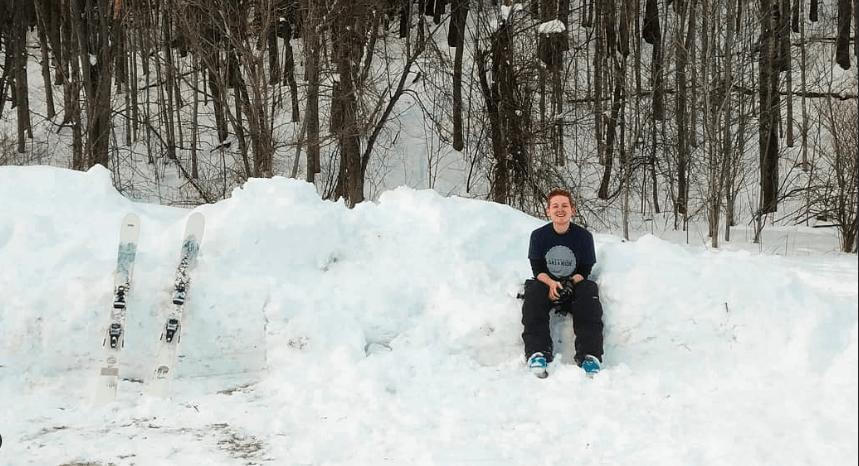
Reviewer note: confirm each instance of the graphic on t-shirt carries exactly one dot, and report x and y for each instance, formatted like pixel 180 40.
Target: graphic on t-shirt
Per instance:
pixel 561 261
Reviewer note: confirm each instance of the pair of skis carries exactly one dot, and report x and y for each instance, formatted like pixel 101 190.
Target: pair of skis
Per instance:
pixel 114 338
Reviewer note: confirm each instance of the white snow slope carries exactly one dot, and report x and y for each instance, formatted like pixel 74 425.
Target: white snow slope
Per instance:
pixel 390 334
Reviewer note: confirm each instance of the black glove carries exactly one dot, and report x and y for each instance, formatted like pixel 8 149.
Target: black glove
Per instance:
pixel 567 294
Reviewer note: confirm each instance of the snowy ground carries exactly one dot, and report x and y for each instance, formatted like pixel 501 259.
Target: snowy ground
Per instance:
pixel 389 334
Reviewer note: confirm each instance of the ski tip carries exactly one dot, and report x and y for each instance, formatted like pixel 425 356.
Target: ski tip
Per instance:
pixel 130 227
pixel 197 217
pixel 195 224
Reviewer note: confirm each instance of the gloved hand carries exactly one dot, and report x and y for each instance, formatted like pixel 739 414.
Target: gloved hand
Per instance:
pixel 567 293
pixel 566 296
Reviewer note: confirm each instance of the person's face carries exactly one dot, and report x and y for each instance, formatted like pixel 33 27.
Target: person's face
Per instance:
pixel 560 210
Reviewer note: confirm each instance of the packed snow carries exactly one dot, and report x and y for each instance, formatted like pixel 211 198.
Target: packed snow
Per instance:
pixel 390 334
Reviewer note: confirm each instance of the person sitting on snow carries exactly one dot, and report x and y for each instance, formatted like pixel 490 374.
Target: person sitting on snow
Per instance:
pixel 562 255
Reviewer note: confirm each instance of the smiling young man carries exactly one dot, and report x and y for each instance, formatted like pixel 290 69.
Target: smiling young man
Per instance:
pixel 562 256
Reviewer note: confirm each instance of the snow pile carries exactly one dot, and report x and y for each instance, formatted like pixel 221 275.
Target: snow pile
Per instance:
pixel 389 334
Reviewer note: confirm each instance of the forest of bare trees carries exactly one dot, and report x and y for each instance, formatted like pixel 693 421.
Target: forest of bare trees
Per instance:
pixel 703 108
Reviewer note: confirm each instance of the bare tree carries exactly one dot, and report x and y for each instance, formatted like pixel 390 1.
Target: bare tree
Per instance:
pixel 617 74
pixel 502 71
pixel 312 45
pixel 289 30
pixel 768 92
pixel 456 38
pixel 558 102
pixel 837 188
pixel 350 18
pixel 368 85
pixel 21 98
pixel 652 34
pixel 684 43
pixel 44 48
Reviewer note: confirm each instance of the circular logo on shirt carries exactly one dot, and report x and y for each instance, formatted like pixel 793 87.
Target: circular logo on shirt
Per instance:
pixel 561 261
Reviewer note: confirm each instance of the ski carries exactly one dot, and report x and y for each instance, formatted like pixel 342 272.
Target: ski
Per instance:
pixel 159 383
pixel 114 334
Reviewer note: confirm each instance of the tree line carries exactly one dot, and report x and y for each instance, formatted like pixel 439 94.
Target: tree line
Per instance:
pixel 657 105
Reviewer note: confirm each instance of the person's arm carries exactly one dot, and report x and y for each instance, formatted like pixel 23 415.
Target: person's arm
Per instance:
pixel 541 273
pixel 586 257
pixel 539 266
pixel 581 273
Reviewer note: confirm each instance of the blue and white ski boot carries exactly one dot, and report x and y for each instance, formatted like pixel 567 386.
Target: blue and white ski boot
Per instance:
pixel 537 364
pixel 591 365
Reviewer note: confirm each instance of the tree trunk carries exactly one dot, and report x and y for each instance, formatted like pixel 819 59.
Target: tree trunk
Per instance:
pixel 238 127
pixel 349 29
pixel 46 61
pixel 273 52
pixel 728 121
pixel 491 95
pixel 842 40
pixel 312 44
pixel 652 34
pixel 289 73
pixel 685 38
pixel 195 112
pixel 617 75
pixel 19 52
pixel 611 135
pixel 599 69
pixel 769 108
pixel 95 41
pixel 457 28
pixel 74 86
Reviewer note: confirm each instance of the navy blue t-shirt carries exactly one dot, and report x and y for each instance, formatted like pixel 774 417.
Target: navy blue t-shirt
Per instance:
pixel 562 256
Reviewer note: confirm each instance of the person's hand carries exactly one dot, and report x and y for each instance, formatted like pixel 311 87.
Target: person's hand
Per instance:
pixel 554 290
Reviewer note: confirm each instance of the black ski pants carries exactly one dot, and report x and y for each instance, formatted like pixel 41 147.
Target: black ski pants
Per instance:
pixel 585 309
